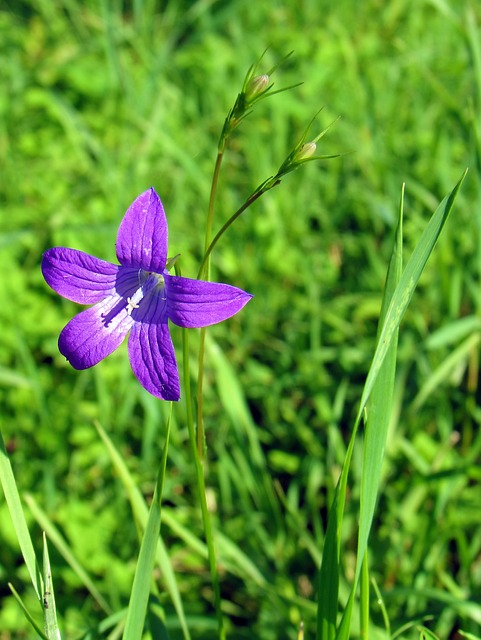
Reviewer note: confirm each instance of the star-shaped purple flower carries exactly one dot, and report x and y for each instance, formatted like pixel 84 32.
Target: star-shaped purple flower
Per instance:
pixel 139 296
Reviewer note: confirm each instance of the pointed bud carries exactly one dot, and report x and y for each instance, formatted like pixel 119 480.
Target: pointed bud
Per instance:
pixel 306 151
pixel 256 86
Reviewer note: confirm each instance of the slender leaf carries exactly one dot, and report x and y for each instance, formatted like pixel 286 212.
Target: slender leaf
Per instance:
pixel 445 369
pixel 27 613
pixel 405 289
pixel 139 596
pixel 18 518
pixel 141 514
pixel 376 428
pixel 62 547
pixel 328 582
pixel 49 609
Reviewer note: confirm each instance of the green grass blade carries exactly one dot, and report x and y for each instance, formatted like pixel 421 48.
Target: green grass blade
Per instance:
pixel 62 547
pixel 140 511
pixel 469 636
pixel 18 518
pixel 139 596
pixel 49 609
pixel 426 634
pixel 328 581
pixel 27 613
pixel 380 404
pixel 365 598
pixel 405 289
pixel 441 374
pixel 376 426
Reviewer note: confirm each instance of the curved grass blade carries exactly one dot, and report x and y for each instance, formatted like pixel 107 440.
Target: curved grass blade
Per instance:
pixel 377 418
pixel 139 596
pixel 27 613
pixel 18 518
pixel 441 374
pixel 62 547
pixel 406 286
pixel 49 610
pixel 140 511
pixel 328 585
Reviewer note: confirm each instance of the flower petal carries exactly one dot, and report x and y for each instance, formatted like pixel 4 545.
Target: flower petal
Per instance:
pixel 143 234
pixel 93 334
pixel 152 355
pixel 78 276
pixel 195 303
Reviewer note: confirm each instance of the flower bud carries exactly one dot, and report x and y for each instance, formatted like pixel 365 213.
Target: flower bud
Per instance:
pixel 306 151
pixel 256 86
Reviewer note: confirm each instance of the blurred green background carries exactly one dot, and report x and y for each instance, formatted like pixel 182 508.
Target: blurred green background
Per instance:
pixel 101 100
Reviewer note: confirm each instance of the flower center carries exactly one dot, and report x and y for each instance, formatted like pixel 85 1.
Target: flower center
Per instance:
pixel 149 282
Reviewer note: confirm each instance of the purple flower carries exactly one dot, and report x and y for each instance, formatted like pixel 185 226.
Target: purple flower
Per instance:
pixel 139 296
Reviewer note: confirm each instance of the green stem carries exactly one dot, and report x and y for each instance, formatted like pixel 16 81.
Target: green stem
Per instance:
pixel 204 267
pixel 200 395
pixel 205 271
pixel 382 607
pixel 199 470
pixel 213 193
pixel 255 196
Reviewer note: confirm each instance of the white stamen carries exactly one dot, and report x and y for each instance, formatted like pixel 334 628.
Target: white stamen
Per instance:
pixel 131 306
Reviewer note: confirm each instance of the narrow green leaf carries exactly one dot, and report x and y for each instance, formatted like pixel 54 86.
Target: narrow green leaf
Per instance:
pixel 442 373
pixel 140 511
pixel 58 541
pixel 49 609
pixel 27 613
pixel 380 403
pixel 18 518
pixel 426 634
pixel 139 596
pixel 328 578
pixel 365 599
pixel 405 289
pixel 376 426
pixel 469 636
pixel 329 582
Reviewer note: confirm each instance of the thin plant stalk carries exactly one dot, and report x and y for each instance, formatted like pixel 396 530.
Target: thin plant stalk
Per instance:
pixel 199 470
pixel 206 274
pixel 257 194
pixel 382 607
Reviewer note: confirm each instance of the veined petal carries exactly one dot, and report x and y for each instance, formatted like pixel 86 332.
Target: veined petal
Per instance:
pixel 195 303
pixel 152 355
pixel 143 234
pixel 93 334
pixel 78 276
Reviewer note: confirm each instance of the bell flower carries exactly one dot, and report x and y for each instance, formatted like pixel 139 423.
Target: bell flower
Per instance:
pixel 137 295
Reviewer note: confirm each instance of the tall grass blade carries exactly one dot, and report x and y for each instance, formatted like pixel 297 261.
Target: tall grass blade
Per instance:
pixel 328 584
pixel 328 579
pixel 18 518
pixel 140 511
pixel 27 613
pixel 139 596
pixel 376 428
pixel 405 289
pixel 49 609
pixel 62 547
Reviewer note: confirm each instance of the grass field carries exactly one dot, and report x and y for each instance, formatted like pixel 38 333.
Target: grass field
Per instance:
pixel 100 101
